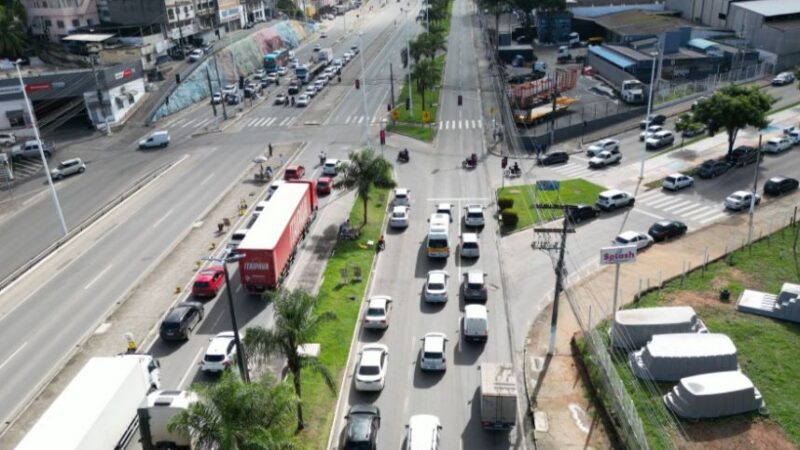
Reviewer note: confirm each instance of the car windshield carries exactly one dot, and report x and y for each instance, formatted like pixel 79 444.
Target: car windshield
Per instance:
pixel 323 182
pixel 201 284
pixel 660 227
pixel 170 325
pixel 435 286
pixel 369 370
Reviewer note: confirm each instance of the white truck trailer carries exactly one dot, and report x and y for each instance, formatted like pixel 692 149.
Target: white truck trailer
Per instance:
pixel 156 412
pixel 498 396
pixel 97 410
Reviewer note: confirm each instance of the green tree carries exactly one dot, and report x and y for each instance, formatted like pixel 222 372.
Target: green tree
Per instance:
pixel 426 76
pixel 431 43
pixel 365 170
pixel 685 122
pixel 296 324
pixel 18 12
pixel 733 108
pixel 231 415
pixel 12 37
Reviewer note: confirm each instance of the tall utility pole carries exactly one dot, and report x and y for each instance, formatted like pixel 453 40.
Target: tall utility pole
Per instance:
pixel 391 84
pixel 561 247
pixel 553 114
pixel 99 94
pixel 651 94
pixel 211 91
pixel 753 195
pixel 219 83
pixel 367 117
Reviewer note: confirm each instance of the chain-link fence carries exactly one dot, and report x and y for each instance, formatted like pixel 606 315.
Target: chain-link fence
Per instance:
pixel 673 91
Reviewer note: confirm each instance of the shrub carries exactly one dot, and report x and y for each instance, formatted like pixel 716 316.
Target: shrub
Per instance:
pixel 509 217
pixel 505 203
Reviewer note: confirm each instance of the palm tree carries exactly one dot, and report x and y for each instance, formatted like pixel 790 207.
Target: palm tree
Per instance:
pixel 362 172
pixel 431 43
pixel 12 39
pixel 426 77
pixel 295 324
pixel 231 415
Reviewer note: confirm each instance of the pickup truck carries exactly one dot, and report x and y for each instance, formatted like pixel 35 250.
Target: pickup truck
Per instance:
pixel 30 149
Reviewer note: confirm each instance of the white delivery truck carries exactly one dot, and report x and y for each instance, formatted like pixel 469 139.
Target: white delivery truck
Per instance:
pixel 498 396
pixel 156 412
pixel 97 410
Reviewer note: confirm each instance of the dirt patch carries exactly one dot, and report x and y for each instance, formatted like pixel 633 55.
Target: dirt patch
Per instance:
pixel 734 275
pixel 736 432
pixel 698 300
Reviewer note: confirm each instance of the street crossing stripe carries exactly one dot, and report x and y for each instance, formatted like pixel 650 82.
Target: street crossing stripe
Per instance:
pixel 480 124
pixel 286 120
pixel 652 193
pixel 722 214
pixel 663 201
pixel 441 124
pixel 676 206
pixel 187 123
pixel 348 120
pixel 360 119
pixel 271 121
pixel 690 208
pixel 706 214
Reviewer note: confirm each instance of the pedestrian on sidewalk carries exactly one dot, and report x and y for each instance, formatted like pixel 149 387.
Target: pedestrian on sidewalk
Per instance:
pixel 270 149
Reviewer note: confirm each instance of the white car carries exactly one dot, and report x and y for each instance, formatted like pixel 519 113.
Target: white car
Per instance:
pixel 302 100
pixel 282 71
pixel 216 98
pixel 445 208
pixel 677 181
pixel 371 369
pixel 649 132
pixel 783 78
pixel 660 139
pixel 377 314
pixel 330 167
pixel 67 168
pixel 259 74
pixel 605 158
pixel 599 146
pixel 311 91
pixel 323 35
pixel 317 47
pixel 347 56
pixel 324 79
pixel 469 246
pixel 777 145
pixel 196 55
pixel 230 89
pixel 423 432
pixel 220 353
pixel 319 84
pixel 402 197
pixel 740 200
pixel 432 354
pixel 281 99
pixel 613 199
pixel 640 240
pixel 399 217
pixel 436 286
pixel 473 216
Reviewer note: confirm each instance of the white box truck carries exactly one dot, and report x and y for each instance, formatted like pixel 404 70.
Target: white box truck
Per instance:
pixel 97 410
pixel 498 396
pixel 155 414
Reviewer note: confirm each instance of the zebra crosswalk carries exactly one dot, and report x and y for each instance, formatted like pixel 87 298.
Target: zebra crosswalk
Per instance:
pixel 359 120
pixel 246 122
pixel 574 170
pixel 681 206
pixel 463 124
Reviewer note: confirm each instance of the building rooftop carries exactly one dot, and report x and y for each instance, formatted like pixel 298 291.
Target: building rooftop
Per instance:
pixel 770 8
pixel 633 54
pixel 702 44
pixel 636 23
pixel 607 53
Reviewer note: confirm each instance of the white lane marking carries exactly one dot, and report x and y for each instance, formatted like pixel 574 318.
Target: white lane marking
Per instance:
pixel 447 125
pixel 459 124
pixel 441 124
pixel 252 121
pixel 662 202
pixel 480 124
pixel 13 355
pixel 652 193
pixel 677 206
pixel 347 121
pixel 187 123
pixel 157 222
pixel 655 216
pixel 285 121
pixel 694 207
pixel 360 119
pixel 99 275
pixel 192 365
pixel 720 215
pixel 206 179
pixel 102 328
pixel 707 213
pixel 291 121
pixel 272 121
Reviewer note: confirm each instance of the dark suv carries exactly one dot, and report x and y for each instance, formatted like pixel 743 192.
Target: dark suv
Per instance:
pixel 712 168
pixel 743 155
pixel 553 158
pixel 657 119
pixel 779 185
pixel 361 431
pixel 180 320
pixel 579 213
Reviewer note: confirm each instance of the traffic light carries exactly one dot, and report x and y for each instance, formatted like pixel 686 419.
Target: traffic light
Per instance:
pixel 389 107
pixel 383 137
pixel 408 104
pixel 177 78
pixel 358 83
pixel 241 82
pixel 504 162
pixel 460 100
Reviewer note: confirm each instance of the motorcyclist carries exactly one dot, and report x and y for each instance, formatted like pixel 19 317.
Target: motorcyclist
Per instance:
pixel 515 168
pixel 381 243
pixel 404 154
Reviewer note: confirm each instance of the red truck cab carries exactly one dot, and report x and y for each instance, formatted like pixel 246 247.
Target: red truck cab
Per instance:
pixel 324 185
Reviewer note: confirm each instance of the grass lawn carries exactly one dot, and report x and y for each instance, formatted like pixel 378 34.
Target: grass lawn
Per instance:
pixel 570 191
pixel 344 300
pixel 766 348
pixel 431 99
pixel 421 132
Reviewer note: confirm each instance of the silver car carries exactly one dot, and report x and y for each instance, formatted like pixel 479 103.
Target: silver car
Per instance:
pixel 67 168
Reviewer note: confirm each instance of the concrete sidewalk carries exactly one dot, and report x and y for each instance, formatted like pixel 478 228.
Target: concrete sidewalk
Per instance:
pixel 563 415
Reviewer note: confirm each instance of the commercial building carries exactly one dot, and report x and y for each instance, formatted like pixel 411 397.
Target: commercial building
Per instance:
pixel 63 95
pixel 54 19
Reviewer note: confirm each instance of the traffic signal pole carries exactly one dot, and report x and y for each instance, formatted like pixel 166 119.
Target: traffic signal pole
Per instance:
pixel 391 84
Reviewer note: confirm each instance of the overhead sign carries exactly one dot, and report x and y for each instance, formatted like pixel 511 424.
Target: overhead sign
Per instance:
pixel 618 255
pixel 547 185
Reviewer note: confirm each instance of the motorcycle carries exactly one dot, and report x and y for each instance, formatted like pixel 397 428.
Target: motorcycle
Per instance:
pixel 471 162
pixel 403 156
pixel 513 173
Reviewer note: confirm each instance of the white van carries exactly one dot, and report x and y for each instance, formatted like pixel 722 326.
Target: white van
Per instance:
pixel 423 432
pixel 475 324
pixel 158 139
pixel 438 242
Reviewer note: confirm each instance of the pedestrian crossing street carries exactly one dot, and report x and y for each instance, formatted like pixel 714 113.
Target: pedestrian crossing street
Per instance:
pixel 465 124
pixel 681 206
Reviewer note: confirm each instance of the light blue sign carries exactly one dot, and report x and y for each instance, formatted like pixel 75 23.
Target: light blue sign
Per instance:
pixel 547 185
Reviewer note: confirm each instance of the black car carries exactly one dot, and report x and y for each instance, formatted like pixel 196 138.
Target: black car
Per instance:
pixel 361 431
pixel 665 229
pixel 180 320
pixel 743 155
pixel 579 213
pixel 553 158
pixel 695 130
pixel 712 168
pixel 780 185
pixel 657 119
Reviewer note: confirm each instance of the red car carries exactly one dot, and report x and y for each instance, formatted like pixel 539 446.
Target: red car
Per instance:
pixel 208 282
pixel 324 185
pixel 294 173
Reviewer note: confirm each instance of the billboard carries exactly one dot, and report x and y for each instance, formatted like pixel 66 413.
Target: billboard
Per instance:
pixel 618 255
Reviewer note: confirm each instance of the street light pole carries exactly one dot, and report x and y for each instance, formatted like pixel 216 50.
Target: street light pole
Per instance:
pixel 29 105
pixel 753 196
pixel 99 94
pixel 649 110
pixel 364 88
pixel 240 358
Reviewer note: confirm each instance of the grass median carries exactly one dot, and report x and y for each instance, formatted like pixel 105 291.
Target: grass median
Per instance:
pixel 766 348
pixel 344 299
pixel 524 196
